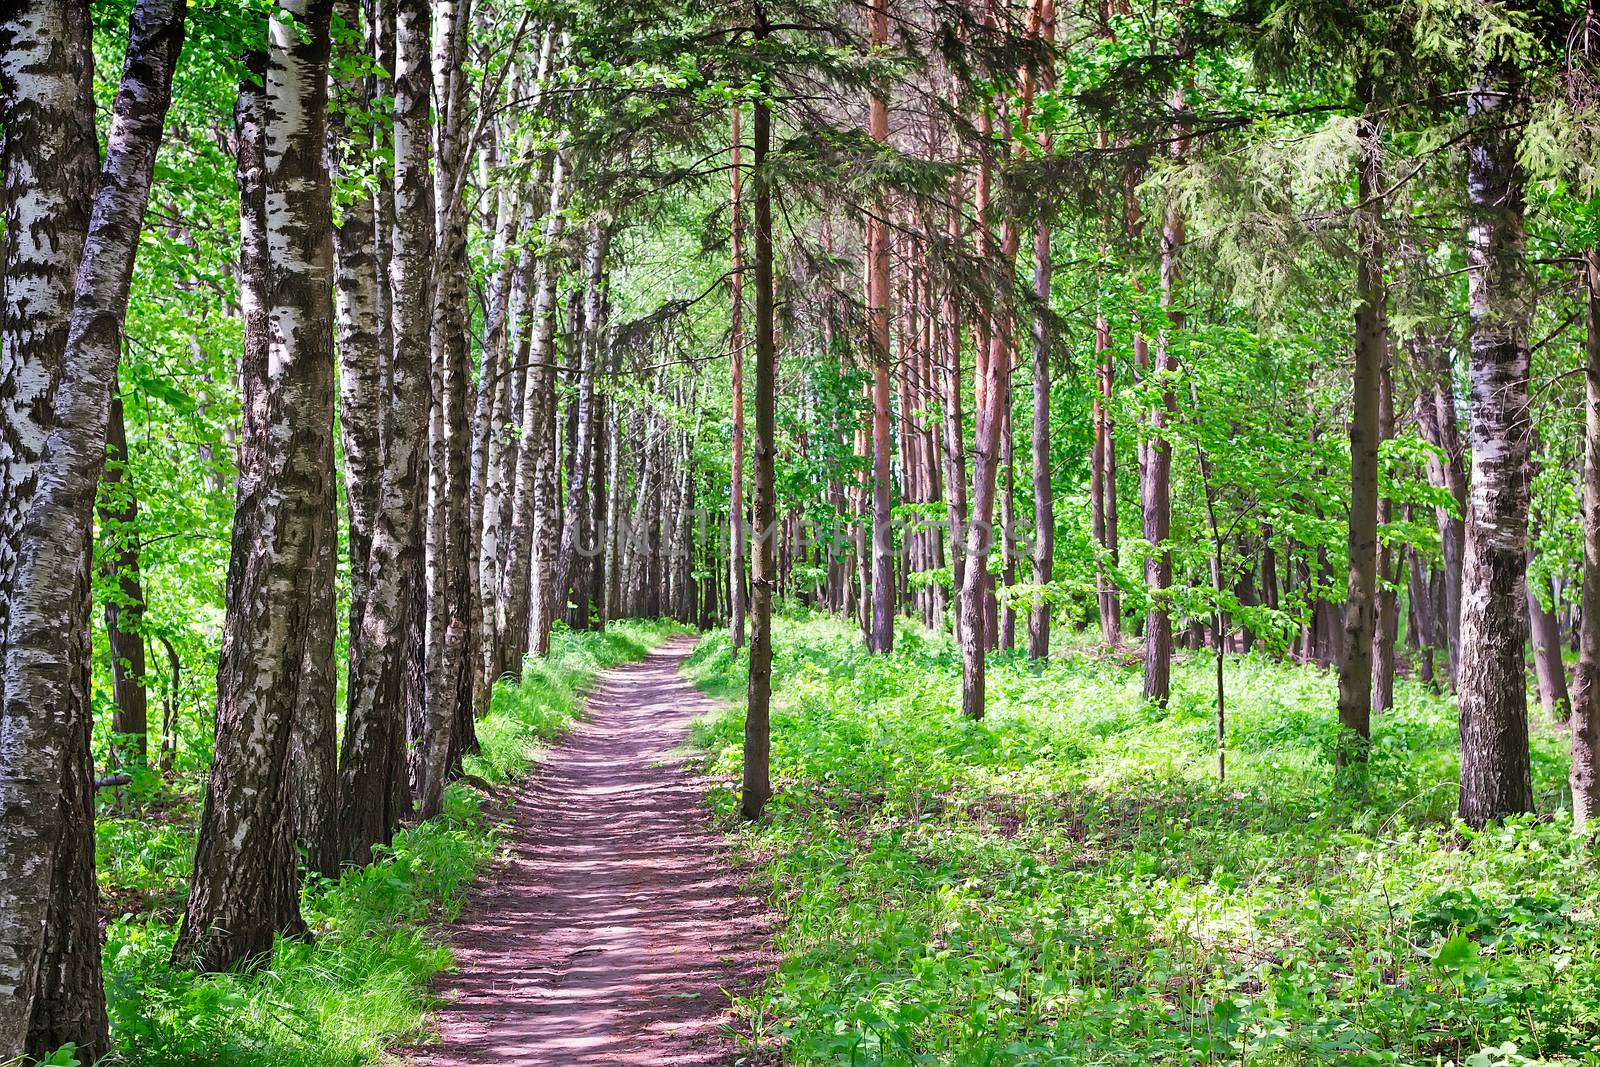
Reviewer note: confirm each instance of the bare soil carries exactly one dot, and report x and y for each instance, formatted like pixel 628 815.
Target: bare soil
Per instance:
pixel 617 925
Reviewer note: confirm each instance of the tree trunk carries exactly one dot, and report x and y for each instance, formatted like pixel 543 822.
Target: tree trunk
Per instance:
pixel 1044 515
pixel 736 562
pixel 124 610
pixel 1371 342
pixel 246 884
pixel 372 774
pixel 588 358
pixel 1008 523
pixel 1156 485
pixel 448 709
pixel 361 358
pixel 955 459
pixel 1391 563
pixel 49 933
pixel 987 390
pixel 1585 775
pixel 508 349
pixel 883 588
pixel 1437 420
pixel 521 583
pixel 1495 772
pixel 1547 665
pixel 757 785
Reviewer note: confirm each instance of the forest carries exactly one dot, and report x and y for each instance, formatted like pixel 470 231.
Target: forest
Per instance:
pixel 798 531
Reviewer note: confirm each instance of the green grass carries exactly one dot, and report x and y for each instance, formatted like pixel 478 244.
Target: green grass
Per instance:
pixel 361 985
pixel 1065 883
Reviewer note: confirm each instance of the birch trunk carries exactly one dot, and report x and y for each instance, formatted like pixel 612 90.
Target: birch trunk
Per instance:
pixel 1495 772
pixel 360 355
pixel 1438 423
pixel 517 587
pixel 447 710
pixel 246 883
pixel 588 355
pixel 372 775
pixel 49 933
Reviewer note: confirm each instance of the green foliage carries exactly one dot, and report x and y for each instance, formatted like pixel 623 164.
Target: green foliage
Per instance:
pixel 1063 882
pixel 360 983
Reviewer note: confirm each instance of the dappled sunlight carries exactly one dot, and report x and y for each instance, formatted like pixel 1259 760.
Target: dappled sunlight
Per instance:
pixel 614 927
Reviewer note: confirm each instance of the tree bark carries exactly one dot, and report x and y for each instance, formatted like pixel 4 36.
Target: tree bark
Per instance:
pixel 1371 342
pixel 448 711
pixel 246 884
pixel 521 582
pixel 373 794
pixel 1495 772
pixel 1044 521
pixel 589 359
pixel 124 610
pixel 987 389
pixel 49 933
pixel 955 459
pixel 883 587
pixel 1548 668
pixel 736 560
pixel 1585 773
pixel 756 788
pixel 1391 563
pixel 1156 485
pixel 1437 420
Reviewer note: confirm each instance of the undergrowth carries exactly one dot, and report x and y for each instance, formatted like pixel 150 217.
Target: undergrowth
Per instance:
pixel 360 984
pixel 1065 883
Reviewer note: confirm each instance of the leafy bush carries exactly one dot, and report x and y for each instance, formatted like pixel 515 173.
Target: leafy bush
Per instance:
pixel 1065 883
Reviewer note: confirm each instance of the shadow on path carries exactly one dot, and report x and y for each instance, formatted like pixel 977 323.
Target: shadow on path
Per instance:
pixel 615 929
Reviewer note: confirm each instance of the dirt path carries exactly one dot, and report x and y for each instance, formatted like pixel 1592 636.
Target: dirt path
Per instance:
pixel 610 933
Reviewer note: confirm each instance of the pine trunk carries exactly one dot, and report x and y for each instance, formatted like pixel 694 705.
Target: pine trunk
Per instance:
pixel 757 785
pixel 736 540
pixel 883 587
pixel 1156 485
pixel 1371 342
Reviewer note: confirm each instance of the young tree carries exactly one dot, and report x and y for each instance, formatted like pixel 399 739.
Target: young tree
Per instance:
pixel 124 609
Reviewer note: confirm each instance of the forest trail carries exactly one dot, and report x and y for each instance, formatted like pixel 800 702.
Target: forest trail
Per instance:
pixel 611 932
